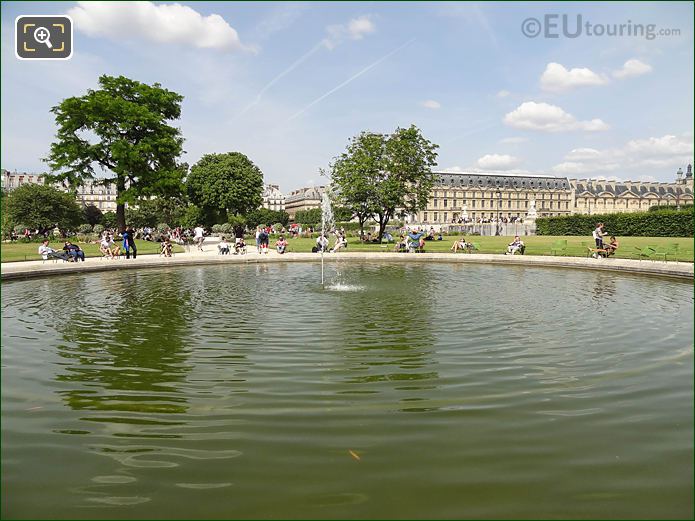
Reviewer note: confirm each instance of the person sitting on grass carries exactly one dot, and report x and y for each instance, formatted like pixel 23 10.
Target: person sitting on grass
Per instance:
pixel 612 247
pixel 321 243
pixel 340 242
pixel 281 245
pixel 73 251
pixel 517 245
pixel 49 253
pixel 401 245
pixel 460 244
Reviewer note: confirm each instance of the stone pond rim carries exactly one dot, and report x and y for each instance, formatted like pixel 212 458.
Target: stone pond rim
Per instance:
pixel 33 269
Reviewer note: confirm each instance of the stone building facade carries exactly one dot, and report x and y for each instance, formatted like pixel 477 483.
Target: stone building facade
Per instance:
pixel 273 198
pixel 471 196
pixel 101 196
pixel 304 199
pixel 474 196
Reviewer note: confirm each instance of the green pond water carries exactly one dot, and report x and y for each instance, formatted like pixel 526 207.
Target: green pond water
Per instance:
pixel 400 391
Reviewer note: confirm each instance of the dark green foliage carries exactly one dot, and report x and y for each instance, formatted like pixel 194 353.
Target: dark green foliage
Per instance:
pixel 266 217
pixel 121 129
pixel 665 223
pixel 223 185
pixel 151 212
pixel 43 207
pixel 342 214
pixel 308 217
pixel 670 207
pixel 92 214
pixel 108 220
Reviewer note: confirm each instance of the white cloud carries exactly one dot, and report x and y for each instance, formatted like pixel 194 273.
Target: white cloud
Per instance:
pixel 668 145
pixel 160 23
pixel 497 162
pixel 663 154
pixel 503 93
pixel 355 29
pixel 358 27
pixel 431 104
pixel 549 118
pixel 579 154
pixel 557 78
pixel 513 140
pixel 632 68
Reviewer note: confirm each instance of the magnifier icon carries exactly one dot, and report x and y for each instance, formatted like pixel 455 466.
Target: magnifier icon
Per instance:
pixel 42 35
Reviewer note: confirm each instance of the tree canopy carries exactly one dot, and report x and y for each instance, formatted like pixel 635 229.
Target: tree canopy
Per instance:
pixel 383 175
pixel 311 217
pixel 42 207
pixel 122 130
pixel 266 217
pixel 225 185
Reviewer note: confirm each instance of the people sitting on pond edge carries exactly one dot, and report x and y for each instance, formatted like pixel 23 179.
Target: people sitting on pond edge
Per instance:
pixel 223 247
pixel 281 245
pixel 49 253
pixel 74 252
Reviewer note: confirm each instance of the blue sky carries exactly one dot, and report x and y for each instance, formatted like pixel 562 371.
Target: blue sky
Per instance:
pixel 289 83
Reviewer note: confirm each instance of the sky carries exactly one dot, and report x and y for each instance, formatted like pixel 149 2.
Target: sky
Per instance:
pixel 288 84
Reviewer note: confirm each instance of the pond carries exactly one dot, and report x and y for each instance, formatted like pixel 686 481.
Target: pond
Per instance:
pixel 399 391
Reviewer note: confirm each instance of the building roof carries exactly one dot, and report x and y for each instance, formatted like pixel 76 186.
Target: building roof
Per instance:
pixel 501 180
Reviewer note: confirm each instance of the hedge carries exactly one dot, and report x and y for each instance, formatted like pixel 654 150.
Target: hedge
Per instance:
pixel 671 223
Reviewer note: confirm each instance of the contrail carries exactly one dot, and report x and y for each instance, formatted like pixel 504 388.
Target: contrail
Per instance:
pixel 277 78
pixel 351 78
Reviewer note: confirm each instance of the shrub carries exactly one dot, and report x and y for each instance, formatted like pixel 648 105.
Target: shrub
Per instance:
pixel 84 228
pixel 277 227
pixel 216 228
pixel 98 229
pixel 225 227
pixel 162 227
pixel 666 223
pixel 19 228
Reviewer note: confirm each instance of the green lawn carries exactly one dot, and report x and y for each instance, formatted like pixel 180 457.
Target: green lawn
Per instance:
pixel 21 251
pixel 535 245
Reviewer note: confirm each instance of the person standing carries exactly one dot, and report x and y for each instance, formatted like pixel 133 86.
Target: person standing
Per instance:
pixel 199 237
pixel 131 242
pixel 598 236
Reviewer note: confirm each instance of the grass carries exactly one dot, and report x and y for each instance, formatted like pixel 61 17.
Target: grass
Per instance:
pixel 21 251
pixel 535 245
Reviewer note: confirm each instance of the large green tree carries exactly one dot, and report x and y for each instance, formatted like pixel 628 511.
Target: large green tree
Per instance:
pixel 382 175
pixel 122 129
pixel 42 207
pixel 224 186
pixel 266 217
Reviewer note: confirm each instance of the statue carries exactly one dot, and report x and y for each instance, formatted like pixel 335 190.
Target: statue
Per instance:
pixel 532 214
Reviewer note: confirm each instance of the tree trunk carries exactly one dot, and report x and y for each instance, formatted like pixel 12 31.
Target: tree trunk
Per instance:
pixel 120 207
pixel 383 221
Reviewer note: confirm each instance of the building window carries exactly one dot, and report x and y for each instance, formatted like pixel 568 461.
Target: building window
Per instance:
pixel 445 216
pixel 435 216
pixel 435 203
pixel 424 218
pixel 445 201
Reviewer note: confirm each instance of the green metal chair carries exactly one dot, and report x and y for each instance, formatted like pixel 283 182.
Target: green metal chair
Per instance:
pixel 559 247
pixel 674 250
pixel 646 253
pixel 475 247
pixel 586 247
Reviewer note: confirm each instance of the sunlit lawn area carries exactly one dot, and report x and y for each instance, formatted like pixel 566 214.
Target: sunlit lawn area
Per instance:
pixel 535 245
pixel 20 251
